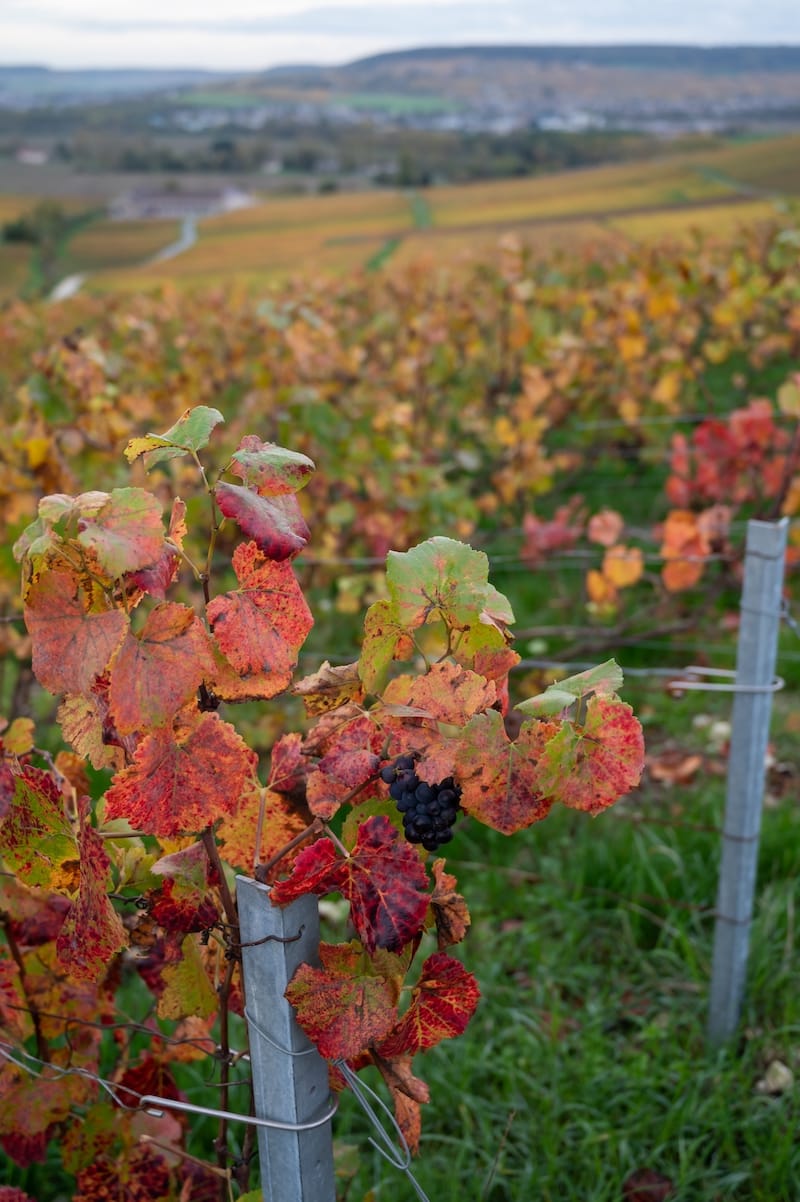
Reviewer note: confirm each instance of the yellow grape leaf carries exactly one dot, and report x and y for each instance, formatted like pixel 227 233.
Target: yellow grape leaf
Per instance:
pixel 789 397
pixel 622 565
pixel 600 589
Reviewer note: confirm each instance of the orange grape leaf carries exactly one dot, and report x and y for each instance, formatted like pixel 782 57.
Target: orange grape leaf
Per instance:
pixel 449 908
pixel 183 780
pixel 36 838
pixel 329 687
pixel 237 832
pixel 622 565
pixel 70 645
pixel 275 524
pixel 84 722
pixel 383 879
pixel 271 470
pixel 122 529
pixel 443 1002
pixel 450 693
pixel 190 432
pixel 684 548
pixel 347 1003
pixel 261 626
pixel 158 670
pixel 92 932
pixel 600 590
pixel 589 766
pixel 605 527
pixel 498 778
pixel 408 1093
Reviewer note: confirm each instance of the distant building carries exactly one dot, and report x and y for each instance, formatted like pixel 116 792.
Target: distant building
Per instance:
pixel 142 204
pixel 31 156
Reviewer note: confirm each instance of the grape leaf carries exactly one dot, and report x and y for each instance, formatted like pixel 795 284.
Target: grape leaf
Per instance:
pixel 383 633
pixel 498 778
pixel 181 781
pixel 604 680
pixel 187 989
pixel 190 432
pixel 85 723
pixel 443 1002
pixel 36 838
pixel 275 524
pixel 449 908
pixel 270 469
pixel 179 914
pixel 156 671
pixel 442 577
pixel 261 626
pixel 124 532
pixel 383 879
pixel 329 687
pixel 28 1108
pixel 408 1093
pixel 237 832
pixel 288 767
pixel 351 762
pixel 70 644
pixel 590 766
pixel 347 1003
pixel 92 932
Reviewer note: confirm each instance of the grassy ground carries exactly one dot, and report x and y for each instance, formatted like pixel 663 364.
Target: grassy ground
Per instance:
pixel 587 1058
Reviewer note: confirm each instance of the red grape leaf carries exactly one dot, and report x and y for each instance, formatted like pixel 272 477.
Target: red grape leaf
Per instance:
pixel 261 626
pixel 70 645
pixel 181 781
pixel 92 932
pixel 329 688
pixel 237 832
pixel 275 524
pixel 122 530
pixel 10 1193
pixel 36 838
pixel 28 1107
pixel 498 778
pixel 157 577
pixel 288 767
pixel 149 1076
pixel 590 766
pixel 449 908
pixel 6 787
pixel 383 879
pixel 179 914
pixel 190 432
pixel 270 469
pixel 12 1001
pixel 158 670
pixel 347 1003
pixel 408 1093
pixel 443 1002
pixel 351 761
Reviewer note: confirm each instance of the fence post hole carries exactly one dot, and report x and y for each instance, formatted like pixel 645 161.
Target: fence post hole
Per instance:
pixel 290 1078
pixel 755 669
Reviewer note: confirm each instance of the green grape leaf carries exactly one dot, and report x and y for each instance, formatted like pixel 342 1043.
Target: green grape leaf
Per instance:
pixel 122 530
pixel 269 469
pixel 191 432
pixel 605 680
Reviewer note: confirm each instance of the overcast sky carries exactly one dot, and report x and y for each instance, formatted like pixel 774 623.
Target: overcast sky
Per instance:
pixel 251 34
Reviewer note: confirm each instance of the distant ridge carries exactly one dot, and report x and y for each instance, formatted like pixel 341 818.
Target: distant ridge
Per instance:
pixel 719 59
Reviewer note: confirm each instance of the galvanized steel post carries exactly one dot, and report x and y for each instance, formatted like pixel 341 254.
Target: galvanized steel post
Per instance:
pixel 755 675
pixel 290 1078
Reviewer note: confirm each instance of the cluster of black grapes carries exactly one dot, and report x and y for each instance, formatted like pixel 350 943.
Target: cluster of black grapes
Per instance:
pixel 429 811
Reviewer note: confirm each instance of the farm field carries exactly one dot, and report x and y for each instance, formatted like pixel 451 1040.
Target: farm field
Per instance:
pixel 449 225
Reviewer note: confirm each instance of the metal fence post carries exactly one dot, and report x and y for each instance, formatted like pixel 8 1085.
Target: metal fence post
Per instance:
pixel 290 1078
pixel 755 670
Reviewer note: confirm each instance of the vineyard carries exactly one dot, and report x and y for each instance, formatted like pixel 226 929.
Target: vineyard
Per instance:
pixel 275 543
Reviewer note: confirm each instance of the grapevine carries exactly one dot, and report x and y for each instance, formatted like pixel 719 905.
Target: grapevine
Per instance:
pixel 150 645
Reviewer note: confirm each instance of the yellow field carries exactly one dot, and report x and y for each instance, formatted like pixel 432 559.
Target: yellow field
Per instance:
pixel 119 243
pixel 716 189
pixel 716 219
